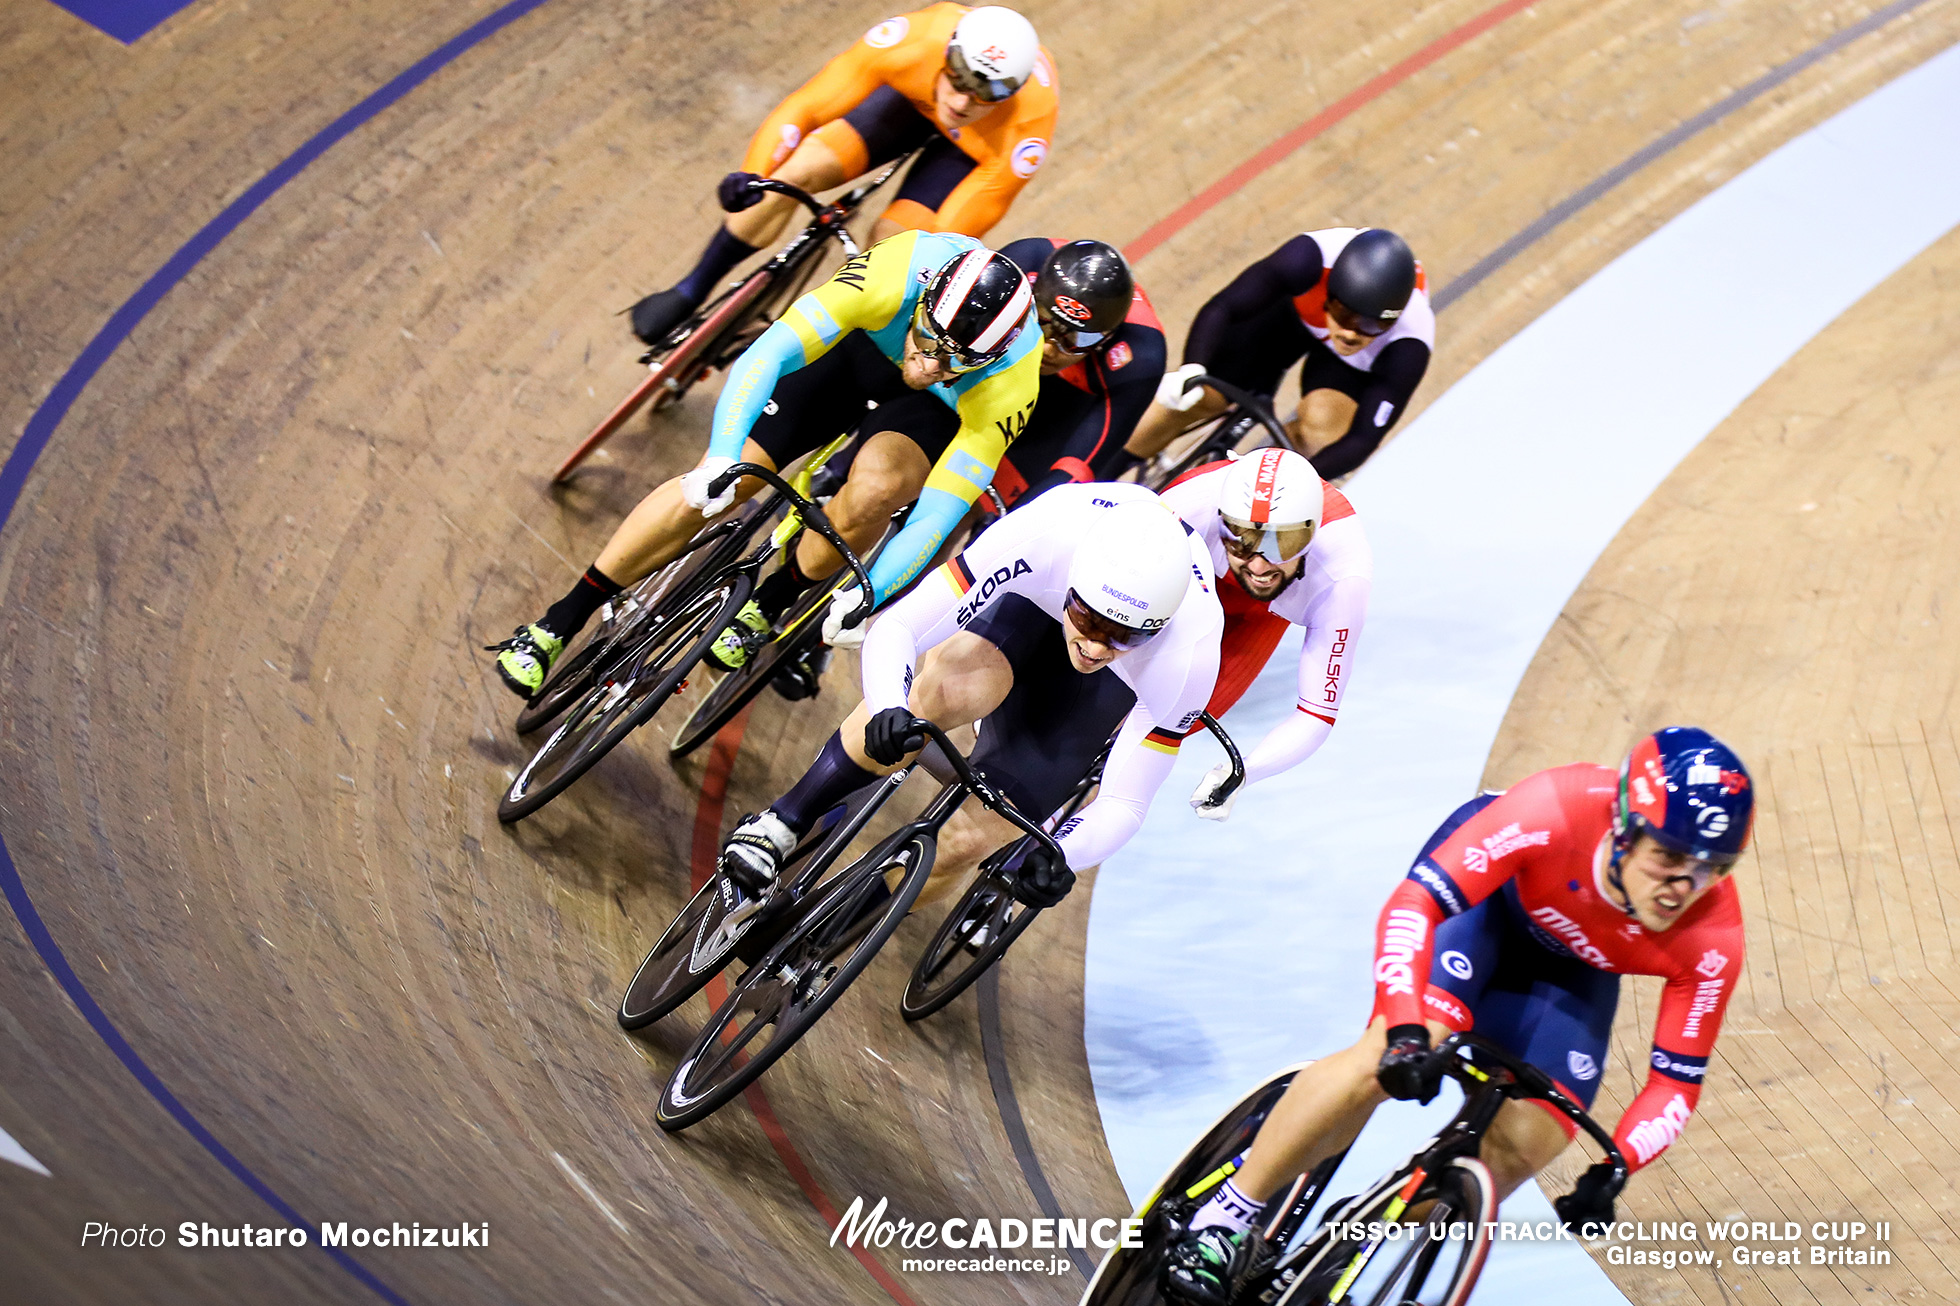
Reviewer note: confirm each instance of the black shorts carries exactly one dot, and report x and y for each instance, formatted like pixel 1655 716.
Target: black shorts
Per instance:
pixel 814 405
pixel 1255 355
pixel 1043 738
pixel 891 128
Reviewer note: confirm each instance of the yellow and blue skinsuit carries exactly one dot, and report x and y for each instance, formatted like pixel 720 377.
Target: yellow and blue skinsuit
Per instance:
pixel 876 293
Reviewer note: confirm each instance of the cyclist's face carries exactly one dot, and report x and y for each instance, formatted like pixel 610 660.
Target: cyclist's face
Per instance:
pixel 1343 337
pixel 1660 883
pixel 920 368
pixel 1085 653
pixel 1261 579
pixel 954 107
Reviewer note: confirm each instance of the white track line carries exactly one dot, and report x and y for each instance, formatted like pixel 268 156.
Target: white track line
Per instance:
pixel 1485 516
pixel 20 1156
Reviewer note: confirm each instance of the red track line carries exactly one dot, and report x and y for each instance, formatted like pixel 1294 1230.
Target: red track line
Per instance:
pixel 707 846
pixel 1216 193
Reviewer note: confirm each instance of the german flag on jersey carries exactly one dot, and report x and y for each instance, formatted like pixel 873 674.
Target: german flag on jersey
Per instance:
pixel 1163 739
pixel 958 575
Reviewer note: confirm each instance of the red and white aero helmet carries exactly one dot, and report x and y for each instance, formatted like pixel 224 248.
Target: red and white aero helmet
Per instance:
pixel 974 307
pixel 1270 505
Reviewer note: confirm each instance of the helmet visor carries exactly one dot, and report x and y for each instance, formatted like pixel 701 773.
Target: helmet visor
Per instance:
pixel 1065 337
pixel 1094 625
pixel 1348 320
pixel 1704 867
pixel 1276 544
pixel 968 80
pixel 936 345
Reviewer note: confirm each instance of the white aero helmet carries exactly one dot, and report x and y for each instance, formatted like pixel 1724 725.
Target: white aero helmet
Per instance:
pixel 1128 577
pixel 992 51
pixel 1270 505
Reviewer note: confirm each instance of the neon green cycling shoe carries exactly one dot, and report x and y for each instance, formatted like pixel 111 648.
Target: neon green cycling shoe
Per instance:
pixel 525 659
pixel 732 647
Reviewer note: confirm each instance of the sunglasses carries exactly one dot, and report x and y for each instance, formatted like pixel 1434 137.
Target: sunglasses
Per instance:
pixel 1092 624
pixel 942 351
pixel 1348 320
pixel 1066 338
pixel 970 82
pixel 1276 544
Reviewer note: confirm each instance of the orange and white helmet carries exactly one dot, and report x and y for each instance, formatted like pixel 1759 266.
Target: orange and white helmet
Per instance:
pixel 1270 505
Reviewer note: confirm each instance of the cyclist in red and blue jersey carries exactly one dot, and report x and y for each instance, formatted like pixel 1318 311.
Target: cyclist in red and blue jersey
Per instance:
pixel 1518 919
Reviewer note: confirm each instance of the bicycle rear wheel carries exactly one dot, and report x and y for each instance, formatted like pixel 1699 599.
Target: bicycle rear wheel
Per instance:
pixel 1437 1265
pixel 633 689
pixel 785 993
pixel 1135 1276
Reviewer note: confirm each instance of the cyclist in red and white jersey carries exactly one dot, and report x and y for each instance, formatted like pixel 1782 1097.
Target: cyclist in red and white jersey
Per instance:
pixel 1518 919
pixel 1352 302
pixel 1288 551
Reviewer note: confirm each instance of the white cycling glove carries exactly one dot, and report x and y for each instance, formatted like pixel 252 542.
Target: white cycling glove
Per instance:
pixel 842 604
pixel 1201 797
pixel 1171 392
pixel 694 487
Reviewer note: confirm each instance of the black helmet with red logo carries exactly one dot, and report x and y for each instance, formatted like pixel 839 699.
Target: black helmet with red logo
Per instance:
pixel 1082 294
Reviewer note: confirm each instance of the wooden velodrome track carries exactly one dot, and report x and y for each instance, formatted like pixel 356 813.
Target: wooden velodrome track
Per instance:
pixel 252 751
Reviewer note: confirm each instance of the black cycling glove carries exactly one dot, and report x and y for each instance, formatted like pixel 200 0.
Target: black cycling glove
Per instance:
pixel 1405 1071
pixel 738 191
pixel 891 734
pixel 1041 879
pixel 1590 1202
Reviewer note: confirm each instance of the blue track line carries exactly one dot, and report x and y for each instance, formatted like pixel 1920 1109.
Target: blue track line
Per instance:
pixel 13 478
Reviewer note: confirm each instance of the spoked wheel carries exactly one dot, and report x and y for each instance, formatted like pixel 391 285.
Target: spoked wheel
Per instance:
pixel 785 993
pixel 577 670
pixel 975 934
pixel 736 689
pixel 1135 1276
pixel 634 688
pixel 1436 1266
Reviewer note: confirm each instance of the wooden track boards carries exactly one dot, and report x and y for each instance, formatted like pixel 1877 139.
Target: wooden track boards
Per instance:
pixel 255 749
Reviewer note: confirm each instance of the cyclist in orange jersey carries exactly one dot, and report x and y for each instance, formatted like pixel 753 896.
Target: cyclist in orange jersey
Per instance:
pixel 972 86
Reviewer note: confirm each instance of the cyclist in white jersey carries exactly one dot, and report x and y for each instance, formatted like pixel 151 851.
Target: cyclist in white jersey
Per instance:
pixel 1090 608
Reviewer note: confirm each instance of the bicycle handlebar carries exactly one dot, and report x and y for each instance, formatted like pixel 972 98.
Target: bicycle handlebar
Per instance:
pixel 1257 405
pixel 797 193
pixel 1538 1085
pixel 812 516
pixel 977 784
pixel 1237 778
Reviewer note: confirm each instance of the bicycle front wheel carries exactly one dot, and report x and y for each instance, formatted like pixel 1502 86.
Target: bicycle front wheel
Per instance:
pixel 975 934
pixel 632 690
pixel 1435 1261
pixel 785 993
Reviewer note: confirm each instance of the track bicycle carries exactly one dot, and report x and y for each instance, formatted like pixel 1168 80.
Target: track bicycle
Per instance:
pixel 835 930
pixel 714 335
pixel 1222 438
pixel 1435 1204
pixel 655 642
pixel 987 919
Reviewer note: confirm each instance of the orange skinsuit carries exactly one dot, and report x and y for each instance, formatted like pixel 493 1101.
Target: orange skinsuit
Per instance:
pixel 906 53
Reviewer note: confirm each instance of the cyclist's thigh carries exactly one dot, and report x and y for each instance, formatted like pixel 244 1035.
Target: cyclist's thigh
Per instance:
pixel 1255 353
pixel 920 416
pixel 813 405
pixel 940 167
pixel 1046 734
pixel 883 127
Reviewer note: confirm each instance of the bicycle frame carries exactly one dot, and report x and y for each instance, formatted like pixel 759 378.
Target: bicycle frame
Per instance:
pixel 694 348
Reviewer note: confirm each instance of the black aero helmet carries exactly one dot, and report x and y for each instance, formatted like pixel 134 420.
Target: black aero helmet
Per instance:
pixel 1085 288
pixel 973 307
pixel 1374 276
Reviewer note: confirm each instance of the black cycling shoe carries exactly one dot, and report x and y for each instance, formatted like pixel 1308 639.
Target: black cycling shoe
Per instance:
pixel 659 313
pixel 801 677
pixel 1204 1268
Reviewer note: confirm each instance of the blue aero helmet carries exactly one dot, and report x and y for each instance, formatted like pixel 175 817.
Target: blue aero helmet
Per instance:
pixel 1689 793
